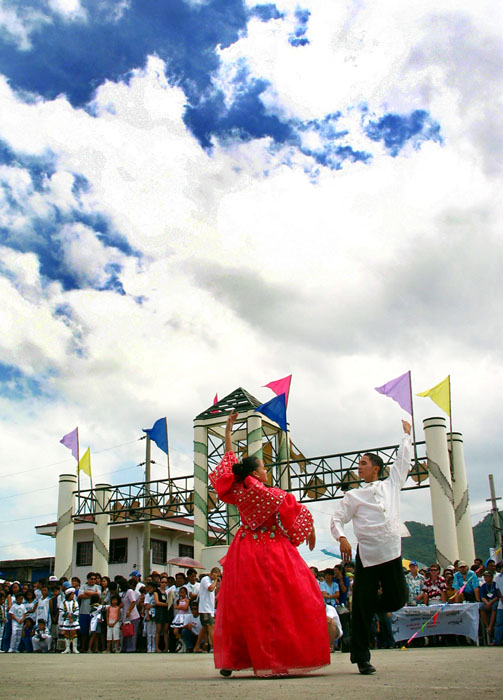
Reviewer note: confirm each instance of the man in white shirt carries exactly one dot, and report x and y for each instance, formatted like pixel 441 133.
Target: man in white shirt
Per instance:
pixel 374 509
pixel 207 590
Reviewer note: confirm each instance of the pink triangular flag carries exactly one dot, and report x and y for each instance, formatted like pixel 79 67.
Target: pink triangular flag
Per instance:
pixel 281 386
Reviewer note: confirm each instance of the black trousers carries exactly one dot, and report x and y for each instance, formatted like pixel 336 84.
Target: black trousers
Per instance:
pixel 367 600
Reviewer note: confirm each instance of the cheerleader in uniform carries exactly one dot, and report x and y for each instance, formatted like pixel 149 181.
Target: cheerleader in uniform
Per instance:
pixel 70 621
pixel 181 610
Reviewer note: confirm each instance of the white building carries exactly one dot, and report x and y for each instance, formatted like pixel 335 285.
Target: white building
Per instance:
pixel 169 539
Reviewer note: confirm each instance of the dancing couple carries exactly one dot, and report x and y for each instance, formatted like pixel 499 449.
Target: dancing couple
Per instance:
pixel 271 616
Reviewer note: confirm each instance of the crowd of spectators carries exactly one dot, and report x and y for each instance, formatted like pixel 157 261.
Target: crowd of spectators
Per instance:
pixel 174 614
pixel 164 613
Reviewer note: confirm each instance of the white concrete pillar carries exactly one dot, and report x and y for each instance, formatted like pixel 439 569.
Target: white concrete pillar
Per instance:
pixel 200 489
pixel 284 454
pixel 64 526
pixel 464 530
pixel 442 502
pixel 254 436
pixel 101 533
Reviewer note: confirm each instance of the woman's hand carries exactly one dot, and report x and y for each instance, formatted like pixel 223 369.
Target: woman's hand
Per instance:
pixel 231 419
pixel 311 540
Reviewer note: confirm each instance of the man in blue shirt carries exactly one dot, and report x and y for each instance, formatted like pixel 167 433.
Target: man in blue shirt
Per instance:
pixel 467 578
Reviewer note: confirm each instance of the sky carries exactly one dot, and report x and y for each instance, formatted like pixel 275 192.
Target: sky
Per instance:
pixel 201 195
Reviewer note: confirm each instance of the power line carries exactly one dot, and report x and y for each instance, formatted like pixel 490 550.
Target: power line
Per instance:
pixel 63 461
pixel 18 544
pixel 46 488
pixel 31 517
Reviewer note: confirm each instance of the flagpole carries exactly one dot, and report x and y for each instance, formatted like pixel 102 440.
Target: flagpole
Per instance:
pixel 167 450
pixel 450 424
pixel 78 470
pixel 412 416
pixel 146 524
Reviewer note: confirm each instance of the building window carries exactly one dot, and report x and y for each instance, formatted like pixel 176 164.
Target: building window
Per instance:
pixel 186 550
pixel 84 553
pixel 159 551
pixel 118 551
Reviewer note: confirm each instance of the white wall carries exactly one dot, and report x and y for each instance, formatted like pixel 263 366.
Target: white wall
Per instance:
pixel 134 533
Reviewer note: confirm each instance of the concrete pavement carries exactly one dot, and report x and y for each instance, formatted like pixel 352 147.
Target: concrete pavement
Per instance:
pixel 452 673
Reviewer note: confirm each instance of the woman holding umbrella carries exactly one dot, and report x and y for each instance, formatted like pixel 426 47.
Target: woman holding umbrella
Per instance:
pixel 271 615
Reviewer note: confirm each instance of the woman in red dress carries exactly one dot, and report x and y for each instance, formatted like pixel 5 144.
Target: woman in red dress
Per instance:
pixel 271 615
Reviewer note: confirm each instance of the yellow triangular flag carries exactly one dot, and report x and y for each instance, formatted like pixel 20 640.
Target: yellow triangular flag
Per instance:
pixel 441 394
pixel 85 462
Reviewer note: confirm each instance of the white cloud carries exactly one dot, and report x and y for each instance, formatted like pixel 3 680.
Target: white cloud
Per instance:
pixel 70 10
pixel 249 271
pixel 19 23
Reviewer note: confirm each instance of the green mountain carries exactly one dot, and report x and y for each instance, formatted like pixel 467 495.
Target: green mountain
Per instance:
pixel 420 544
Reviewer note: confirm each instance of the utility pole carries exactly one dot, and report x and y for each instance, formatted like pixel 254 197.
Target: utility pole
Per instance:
pixel 146 524
pixel 496 524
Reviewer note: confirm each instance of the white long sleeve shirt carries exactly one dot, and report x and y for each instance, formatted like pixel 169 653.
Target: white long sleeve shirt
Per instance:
pixel 374 508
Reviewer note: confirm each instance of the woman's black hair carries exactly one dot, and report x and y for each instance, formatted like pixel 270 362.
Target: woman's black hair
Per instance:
pixel 245 468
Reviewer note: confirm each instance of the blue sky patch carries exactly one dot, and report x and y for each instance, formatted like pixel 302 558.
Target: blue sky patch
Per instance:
pixel 15 384
pixel 298 36
pixel 395 130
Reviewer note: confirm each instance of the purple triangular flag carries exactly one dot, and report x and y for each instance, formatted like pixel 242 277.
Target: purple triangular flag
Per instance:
pixel 71 440
pixel 399 390
pixel 275 409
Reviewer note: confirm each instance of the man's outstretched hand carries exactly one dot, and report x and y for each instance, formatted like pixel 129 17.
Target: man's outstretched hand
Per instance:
pixel 406 427
pixel 345 548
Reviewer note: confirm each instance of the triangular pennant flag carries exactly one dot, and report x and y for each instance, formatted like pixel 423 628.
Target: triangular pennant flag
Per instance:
pixel 275 409
pixel 85 463
pixel 441 394
pixel 281 386
pixel 158 433
pixel 399 390
pixel 71 440
pixel 215 401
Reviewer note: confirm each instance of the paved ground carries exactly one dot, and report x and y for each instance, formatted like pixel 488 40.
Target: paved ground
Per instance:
pixel 451 673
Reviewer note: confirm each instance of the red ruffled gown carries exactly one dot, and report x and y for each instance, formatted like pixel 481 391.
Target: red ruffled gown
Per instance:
pixel 270 614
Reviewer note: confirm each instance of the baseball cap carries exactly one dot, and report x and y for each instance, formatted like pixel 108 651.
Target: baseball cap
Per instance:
pixel 67 584
pixel 413 563
pixel 53 578
pixel 135 573
pixel 69 590
pixel 462 563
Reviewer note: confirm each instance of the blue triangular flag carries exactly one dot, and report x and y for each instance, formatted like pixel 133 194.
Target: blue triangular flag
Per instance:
pixel 157 433
pixel 275 409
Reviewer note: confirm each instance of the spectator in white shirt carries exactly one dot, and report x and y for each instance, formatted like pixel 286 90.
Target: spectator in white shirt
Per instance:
pixel 192 584
pixel 209 586
pixel 374 509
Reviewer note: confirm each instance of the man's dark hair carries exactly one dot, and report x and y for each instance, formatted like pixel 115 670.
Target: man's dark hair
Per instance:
pixel 376 461
pixel 191 571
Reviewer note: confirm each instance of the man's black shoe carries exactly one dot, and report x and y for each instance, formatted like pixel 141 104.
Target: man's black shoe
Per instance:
pixel 366 668
pixel 226 672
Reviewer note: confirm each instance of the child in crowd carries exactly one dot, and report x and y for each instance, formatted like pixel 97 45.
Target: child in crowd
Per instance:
pixel 17 614
pixel 70 624
pixel 43 612
pixel 31 605
pixel 113 623
pixel 41 638
pixel 25 644
pixel 149 621
pixel 54 610
pixel 95 625
pixel 181 609
pixel 3 618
